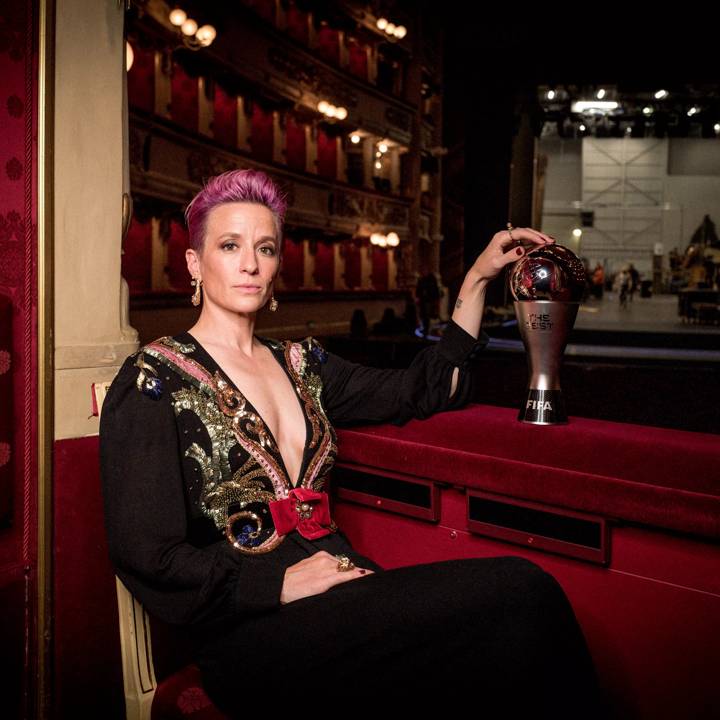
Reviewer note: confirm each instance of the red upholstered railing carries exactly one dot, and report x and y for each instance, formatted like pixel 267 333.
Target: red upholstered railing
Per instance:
pixel 667 479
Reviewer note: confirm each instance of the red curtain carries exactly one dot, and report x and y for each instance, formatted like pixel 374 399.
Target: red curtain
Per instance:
pixel 325 265
pixel 184 103
pixel 261 138
pixel 295 144
pixel 137 257
pixel 358 65
pixel 380 268
pixel 225 121
pixel 353 272
pixel 178 243
pixel 141 79
pixel 292 263
pixel 329 44
pixel 297 24
pixel 327 155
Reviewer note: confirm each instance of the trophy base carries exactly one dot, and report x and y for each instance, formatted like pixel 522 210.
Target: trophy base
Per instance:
pixel 544 407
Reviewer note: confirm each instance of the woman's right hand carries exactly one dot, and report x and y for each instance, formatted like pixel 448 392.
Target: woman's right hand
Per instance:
pixel 314 575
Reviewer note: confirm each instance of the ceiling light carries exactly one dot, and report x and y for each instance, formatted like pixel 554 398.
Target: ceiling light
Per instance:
pixel 580 106
pixel 661 94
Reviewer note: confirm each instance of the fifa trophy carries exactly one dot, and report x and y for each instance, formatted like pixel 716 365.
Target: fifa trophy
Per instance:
pixel 547 285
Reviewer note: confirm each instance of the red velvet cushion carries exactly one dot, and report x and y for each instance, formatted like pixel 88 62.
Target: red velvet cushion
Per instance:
pixel 182 696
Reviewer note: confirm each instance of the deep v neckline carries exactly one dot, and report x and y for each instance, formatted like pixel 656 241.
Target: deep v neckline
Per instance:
pixel 269 344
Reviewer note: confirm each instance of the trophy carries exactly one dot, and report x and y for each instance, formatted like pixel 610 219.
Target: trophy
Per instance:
pixel 547 285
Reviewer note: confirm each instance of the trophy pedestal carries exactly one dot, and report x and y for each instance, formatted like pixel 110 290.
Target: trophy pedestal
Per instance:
pixel 544 327
pixel 544 407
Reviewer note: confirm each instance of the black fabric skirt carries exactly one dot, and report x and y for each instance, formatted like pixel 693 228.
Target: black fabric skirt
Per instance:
pixel 495 633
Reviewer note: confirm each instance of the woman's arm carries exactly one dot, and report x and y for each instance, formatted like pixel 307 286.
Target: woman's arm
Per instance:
pixel 146 519
pixel 502 250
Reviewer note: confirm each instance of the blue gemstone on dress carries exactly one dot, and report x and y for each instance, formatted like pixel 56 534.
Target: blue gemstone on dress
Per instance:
pixel 153 388
pixel 319 353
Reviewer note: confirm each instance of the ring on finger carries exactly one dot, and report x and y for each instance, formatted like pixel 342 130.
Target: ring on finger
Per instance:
pixel 510 228
pixel 344 563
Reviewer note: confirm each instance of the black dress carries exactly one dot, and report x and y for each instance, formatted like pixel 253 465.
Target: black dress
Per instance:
pixel 186 462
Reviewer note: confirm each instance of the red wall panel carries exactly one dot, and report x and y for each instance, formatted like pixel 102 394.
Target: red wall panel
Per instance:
pixel 184 98
pixel 141 79
pixel 225 120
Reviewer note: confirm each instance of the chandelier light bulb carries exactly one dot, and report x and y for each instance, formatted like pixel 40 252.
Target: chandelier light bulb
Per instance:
pixel 577 232
pixel 323 105
pixel 661 94
pixel 400 32
pixel 331 111
pixel 378 166
pixel 354 138
pixel 206 34
pixel 341 113
pixel 382 147
pixel 381 23
pixel 178 17
pixel 189 27
pixel 390 28
pixel 393 240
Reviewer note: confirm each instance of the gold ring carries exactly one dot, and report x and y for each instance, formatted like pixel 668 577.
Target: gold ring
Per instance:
pixel 344 563
pixel 509 229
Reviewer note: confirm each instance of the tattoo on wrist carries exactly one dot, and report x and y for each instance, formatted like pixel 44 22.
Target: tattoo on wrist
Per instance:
pixel 458 303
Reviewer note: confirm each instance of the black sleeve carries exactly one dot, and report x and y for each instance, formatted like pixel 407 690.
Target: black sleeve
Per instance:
pixel 357 394
pixel 146 518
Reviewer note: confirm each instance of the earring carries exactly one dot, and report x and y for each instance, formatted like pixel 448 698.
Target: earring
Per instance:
pixel 196 296
pixel 273 303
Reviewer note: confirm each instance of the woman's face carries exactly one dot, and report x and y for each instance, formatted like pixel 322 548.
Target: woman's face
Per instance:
pixel 239 259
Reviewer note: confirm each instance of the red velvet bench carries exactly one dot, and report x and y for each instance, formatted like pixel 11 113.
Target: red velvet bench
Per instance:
pixel 626 517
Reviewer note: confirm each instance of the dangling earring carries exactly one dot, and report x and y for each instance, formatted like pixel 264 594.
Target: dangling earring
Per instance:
pixel 273 303
pixel 196 296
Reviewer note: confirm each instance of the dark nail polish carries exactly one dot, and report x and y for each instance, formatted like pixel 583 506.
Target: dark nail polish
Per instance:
pixel 518 251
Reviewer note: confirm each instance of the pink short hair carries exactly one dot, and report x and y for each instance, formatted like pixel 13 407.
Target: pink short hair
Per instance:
pixel 252 186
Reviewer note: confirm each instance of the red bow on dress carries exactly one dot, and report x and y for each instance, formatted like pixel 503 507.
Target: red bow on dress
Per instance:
pixel 304 509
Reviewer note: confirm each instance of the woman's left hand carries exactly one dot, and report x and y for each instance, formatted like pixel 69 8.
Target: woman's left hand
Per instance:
pixel 504 249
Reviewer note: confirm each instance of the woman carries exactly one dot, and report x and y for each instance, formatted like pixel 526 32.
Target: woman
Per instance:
pixel 215 448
